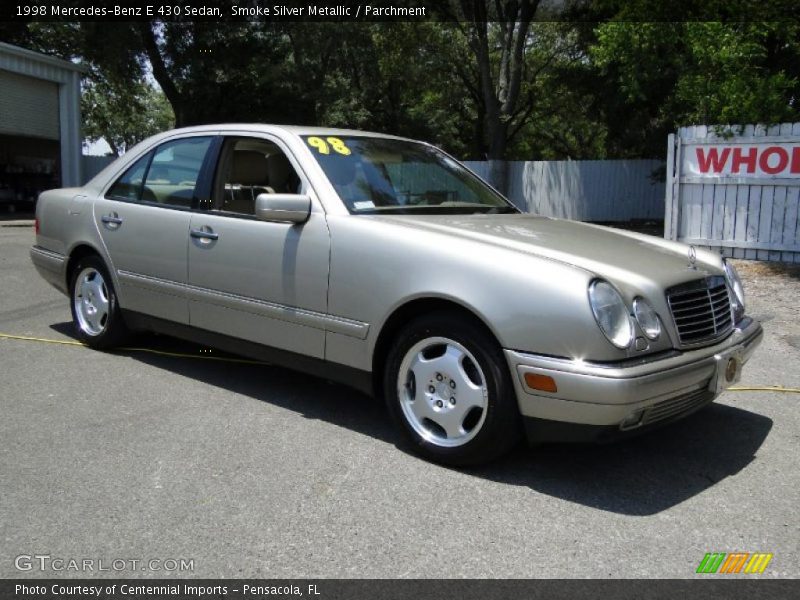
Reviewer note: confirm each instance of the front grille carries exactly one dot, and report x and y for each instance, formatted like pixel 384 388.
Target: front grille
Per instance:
pixel 679 405
pixel 701 310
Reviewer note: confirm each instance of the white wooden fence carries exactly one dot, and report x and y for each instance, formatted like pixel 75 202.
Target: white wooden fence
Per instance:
pixel 585 190
pixel 735 190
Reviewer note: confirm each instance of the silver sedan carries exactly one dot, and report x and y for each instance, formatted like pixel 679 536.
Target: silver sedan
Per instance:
pixel 384 263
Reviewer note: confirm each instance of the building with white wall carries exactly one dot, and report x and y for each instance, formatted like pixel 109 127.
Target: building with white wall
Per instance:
pixel 40 137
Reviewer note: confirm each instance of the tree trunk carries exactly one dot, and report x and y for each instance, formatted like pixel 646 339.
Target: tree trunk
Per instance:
pixel 115 149
pixel 500 86
pixel 498 166
pixel 161 74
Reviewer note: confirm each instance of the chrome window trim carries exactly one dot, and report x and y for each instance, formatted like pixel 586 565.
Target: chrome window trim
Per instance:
pixel 127 163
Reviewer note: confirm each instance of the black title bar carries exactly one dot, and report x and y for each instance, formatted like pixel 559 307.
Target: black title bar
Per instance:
pixel 276 11
pixel 711 588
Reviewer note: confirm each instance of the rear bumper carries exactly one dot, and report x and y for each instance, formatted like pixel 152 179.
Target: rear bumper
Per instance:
pixel 50 266
pixel 603 401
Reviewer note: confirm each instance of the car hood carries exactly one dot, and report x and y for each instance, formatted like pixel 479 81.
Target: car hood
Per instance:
pixel 620 255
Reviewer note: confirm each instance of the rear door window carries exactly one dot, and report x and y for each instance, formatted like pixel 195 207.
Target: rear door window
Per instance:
pixel 168 176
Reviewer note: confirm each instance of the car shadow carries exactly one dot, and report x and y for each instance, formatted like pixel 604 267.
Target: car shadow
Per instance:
pixel 644 475
pixel 312 397
pixel 640 476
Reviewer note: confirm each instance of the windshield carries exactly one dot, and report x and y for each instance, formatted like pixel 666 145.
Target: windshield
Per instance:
pixel 377 175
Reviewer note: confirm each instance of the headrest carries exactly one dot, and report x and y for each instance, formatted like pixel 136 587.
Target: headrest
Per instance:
pixel 249 168
pixel 279 169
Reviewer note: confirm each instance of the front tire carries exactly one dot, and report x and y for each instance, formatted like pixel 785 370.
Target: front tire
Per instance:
pixel 95 310
pixel 448 388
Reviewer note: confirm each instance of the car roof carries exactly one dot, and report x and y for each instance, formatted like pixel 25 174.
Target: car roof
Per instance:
pixel 294 129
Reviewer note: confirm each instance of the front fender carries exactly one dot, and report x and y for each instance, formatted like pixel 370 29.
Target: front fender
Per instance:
pixel 531 304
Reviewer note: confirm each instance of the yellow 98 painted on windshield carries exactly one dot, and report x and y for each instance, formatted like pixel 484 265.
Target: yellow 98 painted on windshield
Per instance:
pixel 324 146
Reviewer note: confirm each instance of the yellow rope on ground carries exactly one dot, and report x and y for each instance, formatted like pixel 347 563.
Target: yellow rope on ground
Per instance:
pixel 768 388
pixel 244 361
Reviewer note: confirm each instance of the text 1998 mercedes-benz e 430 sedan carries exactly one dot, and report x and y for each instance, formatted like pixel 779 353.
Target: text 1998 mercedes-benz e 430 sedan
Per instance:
pixel 384 263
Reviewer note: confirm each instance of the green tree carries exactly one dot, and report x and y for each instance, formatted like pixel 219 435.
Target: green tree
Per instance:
pixel 497 49
pixel 733 78
pixel 480 89
pixel 123 113
pixel 561 120
pixel 213 72
pixel 387 77
pixel 517 74
pixel 659 76
pixel 491 82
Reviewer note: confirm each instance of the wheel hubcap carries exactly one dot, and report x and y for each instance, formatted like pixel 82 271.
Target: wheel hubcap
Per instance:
pixel 91 301
pixel 442 392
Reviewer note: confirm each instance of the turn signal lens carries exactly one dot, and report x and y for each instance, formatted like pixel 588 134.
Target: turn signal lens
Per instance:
pixel 540 382
pixel 36 226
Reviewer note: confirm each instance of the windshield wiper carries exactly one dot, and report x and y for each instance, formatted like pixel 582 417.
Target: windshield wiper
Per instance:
pixel 436 209
pixel 504 210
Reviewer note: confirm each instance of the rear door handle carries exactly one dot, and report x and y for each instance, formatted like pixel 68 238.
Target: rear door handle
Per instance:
pixel 204 233
pixel 112 219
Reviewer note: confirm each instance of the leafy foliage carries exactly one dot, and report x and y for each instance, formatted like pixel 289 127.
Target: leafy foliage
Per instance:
pixel 612 81
pixel 663 75
pixel 123 113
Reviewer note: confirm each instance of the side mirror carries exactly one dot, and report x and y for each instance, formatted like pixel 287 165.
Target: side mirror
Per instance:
pixel 292 208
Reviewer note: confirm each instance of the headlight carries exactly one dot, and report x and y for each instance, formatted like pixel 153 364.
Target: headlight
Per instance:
pixel 611 313
pixel 647 317
pixel 738 290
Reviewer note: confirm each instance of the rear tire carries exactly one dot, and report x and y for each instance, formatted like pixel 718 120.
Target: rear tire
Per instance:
pixel 95 310
pixel 448 388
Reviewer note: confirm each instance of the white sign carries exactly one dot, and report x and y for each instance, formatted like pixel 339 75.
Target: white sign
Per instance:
pixel 777 159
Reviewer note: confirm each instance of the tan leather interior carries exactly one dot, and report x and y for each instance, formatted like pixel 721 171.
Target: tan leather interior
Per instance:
pixel 249 178
pixel 249 168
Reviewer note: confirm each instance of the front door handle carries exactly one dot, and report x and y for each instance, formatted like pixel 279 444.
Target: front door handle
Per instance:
pixel 204 233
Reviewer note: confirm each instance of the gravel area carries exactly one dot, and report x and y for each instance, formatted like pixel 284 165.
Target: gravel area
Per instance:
pixel 772 291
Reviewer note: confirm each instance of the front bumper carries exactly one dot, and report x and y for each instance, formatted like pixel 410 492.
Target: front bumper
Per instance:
pixel 595 400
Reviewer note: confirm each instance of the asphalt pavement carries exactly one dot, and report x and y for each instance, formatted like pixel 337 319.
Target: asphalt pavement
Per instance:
pixel 254 471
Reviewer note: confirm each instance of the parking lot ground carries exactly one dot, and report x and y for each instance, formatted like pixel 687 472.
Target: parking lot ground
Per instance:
pixel 256 471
